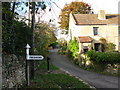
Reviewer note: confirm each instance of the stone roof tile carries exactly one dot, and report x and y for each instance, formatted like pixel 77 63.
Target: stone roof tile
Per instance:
pixel 92 19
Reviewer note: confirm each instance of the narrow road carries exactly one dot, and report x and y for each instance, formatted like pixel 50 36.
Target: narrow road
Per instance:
pixel 94 79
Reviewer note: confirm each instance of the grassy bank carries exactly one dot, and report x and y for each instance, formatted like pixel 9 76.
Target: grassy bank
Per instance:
pixel 57 81
pixel 54 79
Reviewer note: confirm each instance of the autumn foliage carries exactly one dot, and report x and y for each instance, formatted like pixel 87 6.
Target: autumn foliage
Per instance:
pixel 75 8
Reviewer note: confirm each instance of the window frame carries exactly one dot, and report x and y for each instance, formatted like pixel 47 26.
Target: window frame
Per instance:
pixel 95 31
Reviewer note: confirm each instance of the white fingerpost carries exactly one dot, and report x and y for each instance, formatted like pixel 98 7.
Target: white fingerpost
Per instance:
pixel 27 66
pixel 27 51
pixel 30 57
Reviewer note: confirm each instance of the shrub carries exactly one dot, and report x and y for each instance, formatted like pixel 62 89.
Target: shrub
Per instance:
pixel 74 48
pixel 110 47
pixel 64 48
pixel 107 46
pixel 92 54
pixel 62 52
pixel 69 54
pixel 104 57
pixel 101 59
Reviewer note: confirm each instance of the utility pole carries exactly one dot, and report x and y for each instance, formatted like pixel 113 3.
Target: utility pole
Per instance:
pixel 29 12
pixel 33 39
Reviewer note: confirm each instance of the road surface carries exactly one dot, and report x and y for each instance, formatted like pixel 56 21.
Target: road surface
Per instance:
pixel 93 79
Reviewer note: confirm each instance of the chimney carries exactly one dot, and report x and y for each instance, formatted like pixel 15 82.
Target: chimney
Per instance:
pixel 101 15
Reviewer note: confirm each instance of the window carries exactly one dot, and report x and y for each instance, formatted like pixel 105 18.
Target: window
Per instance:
pixel 95 30
pixel 119 30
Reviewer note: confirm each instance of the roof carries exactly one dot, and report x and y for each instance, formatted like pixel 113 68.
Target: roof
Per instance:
pixel 92 19
pixel 84 39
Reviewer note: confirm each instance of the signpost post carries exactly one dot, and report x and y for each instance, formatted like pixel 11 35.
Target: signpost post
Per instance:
pixel 28 58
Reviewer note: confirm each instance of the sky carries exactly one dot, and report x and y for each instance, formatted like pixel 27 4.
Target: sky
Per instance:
pixel 110 7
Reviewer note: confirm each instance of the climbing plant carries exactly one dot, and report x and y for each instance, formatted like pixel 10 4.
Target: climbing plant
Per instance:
pixel 107 46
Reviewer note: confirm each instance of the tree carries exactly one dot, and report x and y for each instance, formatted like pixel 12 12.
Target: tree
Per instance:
pixel 7 20
pixel 14 36
pixel 44 36
pixel 35 7
pixel 75 8
pixel 62 42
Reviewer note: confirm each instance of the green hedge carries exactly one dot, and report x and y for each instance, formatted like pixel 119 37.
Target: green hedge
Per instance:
pixel 104 57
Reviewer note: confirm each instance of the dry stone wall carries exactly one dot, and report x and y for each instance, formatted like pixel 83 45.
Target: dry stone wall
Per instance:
pixel 13 71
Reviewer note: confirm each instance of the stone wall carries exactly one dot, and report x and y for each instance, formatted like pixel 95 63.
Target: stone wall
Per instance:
pixel 83 61
pixel 13 71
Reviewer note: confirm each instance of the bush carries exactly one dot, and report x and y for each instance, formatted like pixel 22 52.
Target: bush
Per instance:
pixel 74 48
pixel 62 52
pixel 108 57
pixel 107 46
pixel 101 59
pixel 69 54
pixel 92 54
pixel 64 48
pixel 104 57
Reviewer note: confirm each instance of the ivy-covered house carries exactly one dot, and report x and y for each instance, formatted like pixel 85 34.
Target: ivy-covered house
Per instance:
pixel 89 29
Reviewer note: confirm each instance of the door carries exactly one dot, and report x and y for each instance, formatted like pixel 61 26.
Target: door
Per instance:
pixel 97 46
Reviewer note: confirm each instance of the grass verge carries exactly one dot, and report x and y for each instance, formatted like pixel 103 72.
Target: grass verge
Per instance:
pixel 57 80
pixel 43 66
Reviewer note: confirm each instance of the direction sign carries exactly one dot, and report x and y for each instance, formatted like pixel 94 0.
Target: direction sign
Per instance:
pixel 35 57
pixel 32 57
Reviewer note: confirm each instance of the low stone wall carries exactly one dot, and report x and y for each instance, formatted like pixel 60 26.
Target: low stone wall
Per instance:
pixel 13 71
